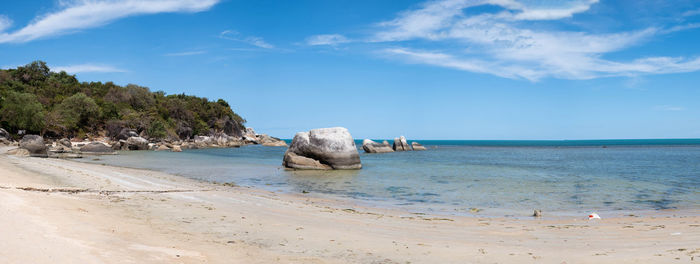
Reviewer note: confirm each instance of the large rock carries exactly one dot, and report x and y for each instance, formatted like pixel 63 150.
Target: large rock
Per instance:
pixel 176 148
pixel 137 143
pixel 329 147
pixel 96 147
pixel 4 133
pixel 417 146
pixel 400 144
pixel 269 141
pixel 373 147
pixel 35 145
pixel 127 133
pixel 295 161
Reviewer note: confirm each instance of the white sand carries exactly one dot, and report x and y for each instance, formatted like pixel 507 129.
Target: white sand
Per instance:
pixel 58 211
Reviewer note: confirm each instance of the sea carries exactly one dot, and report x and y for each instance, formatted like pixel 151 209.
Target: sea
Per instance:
pixel 484 178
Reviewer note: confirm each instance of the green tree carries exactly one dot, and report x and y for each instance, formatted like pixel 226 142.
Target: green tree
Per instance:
pixel 22 111
pixel 78 111
pixel 157 129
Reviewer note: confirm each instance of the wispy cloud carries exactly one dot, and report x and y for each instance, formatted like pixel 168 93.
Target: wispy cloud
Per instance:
pixel 85 68
pixel 5 23
pixel 250 40
pixel 507 42
pixel 84 14
pixel 328 39
pixel 186 53
pixel 691 13
pixel 668 108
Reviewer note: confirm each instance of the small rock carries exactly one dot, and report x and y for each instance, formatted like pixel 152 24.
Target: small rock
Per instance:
pixel 96 147
pixel 417 146
pixel 537 213
pixel 162 148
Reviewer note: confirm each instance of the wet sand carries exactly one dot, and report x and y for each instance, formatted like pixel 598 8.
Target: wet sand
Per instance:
pixel 61 211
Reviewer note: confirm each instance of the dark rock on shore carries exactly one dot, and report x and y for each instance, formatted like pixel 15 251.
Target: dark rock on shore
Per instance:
pixel 373 147
pixel 417 146
pixel 400 144
pixel 35 145
pixel 322 148
pixel 96 147
pixel 126 133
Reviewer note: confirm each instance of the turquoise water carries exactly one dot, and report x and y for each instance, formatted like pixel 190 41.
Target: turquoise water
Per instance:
pixel 497 177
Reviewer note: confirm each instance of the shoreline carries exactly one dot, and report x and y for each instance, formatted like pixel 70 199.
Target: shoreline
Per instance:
pixel 113 215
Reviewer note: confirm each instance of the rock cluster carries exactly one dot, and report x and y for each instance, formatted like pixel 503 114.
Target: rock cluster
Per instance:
pixel 129 139
pixel 323 149
pixel 400 144
pixel 373 147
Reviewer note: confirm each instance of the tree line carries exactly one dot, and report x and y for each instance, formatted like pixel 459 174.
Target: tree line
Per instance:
pixel 56 104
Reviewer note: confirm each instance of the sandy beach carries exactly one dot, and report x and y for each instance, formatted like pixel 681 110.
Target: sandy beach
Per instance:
pixel 62 211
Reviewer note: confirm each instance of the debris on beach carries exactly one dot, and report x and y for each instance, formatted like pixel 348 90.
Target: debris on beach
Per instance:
pixel 593 216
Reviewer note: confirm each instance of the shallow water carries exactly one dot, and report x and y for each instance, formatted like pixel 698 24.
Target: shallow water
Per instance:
pixel 460 177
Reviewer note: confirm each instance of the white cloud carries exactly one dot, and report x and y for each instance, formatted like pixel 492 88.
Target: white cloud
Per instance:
pixel 84 68
pixel 186 53
pixel 504 43
pixel 329 39
pixel 77 15
pixel 252 40
pixel 553 12
pixel 668 108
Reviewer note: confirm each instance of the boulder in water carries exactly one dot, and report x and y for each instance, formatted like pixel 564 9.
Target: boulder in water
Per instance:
pixel 176 148
pixel 417 146
pixel 373 147
pixel 322 148
pixel 292 160
pixel 400 144
pixel 269 141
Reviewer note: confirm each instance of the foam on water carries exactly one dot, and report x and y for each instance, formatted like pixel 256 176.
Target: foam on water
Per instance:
pixel 455 177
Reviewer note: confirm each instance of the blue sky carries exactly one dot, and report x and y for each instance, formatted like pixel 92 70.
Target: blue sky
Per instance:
pixel 452 69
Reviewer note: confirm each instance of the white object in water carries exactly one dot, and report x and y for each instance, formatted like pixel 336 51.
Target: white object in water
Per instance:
pixel 593 216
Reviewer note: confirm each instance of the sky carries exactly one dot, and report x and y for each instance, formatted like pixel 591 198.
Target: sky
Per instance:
pixel 439 69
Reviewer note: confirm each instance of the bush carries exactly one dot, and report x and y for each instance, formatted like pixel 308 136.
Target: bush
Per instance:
pixel 22 111
pixel 78 111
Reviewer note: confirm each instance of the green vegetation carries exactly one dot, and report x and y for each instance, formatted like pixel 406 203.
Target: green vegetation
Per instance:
pixel 54 104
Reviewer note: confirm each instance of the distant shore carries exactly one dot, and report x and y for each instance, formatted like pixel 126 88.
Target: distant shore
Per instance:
pixel 77 212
